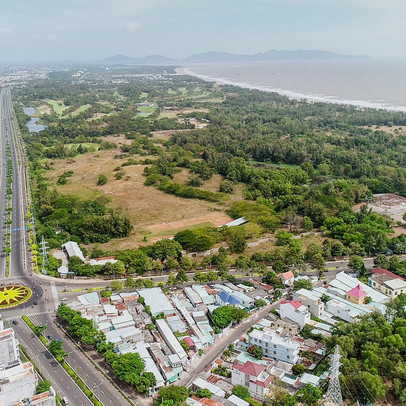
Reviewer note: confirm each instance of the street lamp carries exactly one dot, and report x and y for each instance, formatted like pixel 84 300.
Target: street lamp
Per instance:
pixel 97 387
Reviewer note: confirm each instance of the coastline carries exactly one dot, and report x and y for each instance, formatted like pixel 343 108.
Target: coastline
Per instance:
pixel 361 104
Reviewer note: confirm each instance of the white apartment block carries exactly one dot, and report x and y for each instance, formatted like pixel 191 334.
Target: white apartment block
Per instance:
pixel 274 346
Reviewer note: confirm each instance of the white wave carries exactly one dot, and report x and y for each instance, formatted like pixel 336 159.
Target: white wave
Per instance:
pixel 296 95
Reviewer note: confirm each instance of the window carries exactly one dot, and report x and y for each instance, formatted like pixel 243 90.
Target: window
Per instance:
pixel 274 352
pixel 287 357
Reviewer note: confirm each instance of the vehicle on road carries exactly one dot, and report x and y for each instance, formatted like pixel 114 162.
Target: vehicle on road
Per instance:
pixel 65 400
pixel 15 322
pixel 35 303
pixel 50 337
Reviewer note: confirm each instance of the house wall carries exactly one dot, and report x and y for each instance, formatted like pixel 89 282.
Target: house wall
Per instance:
pixel 289 312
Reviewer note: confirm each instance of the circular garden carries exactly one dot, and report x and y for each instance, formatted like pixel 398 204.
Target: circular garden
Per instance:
pixel 14 295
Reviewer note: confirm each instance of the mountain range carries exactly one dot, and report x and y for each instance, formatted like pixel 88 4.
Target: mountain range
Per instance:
pixel 213 56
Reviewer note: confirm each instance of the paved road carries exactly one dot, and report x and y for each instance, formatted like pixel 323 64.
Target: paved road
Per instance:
pixel 43 295
pixel 221 344
pixel 49 367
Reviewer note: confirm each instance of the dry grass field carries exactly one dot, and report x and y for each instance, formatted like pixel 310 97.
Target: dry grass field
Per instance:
pixel 153 213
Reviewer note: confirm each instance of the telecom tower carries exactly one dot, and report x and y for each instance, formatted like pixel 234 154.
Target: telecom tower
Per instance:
pixel 333 396
pixel 44 247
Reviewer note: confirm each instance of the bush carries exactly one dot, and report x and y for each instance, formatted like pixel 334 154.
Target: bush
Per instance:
pixel 102 180
pixel 241 391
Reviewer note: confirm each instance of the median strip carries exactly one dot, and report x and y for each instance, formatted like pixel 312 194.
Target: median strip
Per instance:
pixel 69 370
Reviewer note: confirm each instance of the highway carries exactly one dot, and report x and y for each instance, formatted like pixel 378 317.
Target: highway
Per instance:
pixel 45 292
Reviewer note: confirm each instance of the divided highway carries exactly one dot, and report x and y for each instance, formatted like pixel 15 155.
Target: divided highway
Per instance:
pixel 45 299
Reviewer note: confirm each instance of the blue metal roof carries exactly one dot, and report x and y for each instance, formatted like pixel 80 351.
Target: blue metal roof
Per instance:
pixel 225 297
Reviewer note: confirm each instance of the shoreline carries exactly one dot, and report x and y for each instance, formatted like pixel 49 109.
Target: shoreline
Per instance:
pixel 361 104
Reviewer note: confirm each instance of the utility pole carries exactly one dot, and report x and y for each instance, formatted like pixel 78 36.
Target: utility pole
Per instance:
pixel 333 396
pixel 44 248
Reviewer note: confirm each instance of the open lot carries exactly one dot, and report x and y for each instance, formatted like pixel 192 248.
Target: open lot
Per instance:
pixel 152 212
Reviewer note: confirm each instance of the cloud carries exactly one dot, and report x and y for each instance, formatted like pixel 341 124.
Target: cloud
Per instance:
pixel 132 26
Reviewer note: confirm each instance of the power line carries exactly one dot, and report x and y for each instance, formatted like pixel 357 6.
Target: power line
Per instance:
pixel 333 396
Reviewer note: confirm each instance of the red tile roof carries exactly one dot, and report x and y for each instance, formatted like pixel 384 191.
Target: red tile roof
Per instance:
pixel 287 275
pixel 382 271
pixel 250 368
pixel 295 303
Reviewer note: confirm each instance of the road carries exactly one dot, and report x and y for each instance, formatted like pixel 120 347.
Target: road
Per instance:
pixel 49 367
pixel 45 291
pixel 221 344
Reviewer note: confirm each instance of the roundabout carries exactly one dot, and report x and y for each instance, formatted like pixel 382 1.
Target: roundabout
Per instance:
pixel 14 295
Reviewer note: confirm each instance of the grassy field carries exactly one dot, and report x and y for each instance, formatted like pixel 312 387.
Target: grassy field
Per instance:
pixel 57 106
pixel 80 110
pixel 152 212
pixel 146 109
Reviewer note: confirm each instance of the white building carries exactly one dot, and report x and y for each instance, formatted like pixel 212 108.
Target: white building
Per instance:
pixel 171 341
pixel 274 346
pixel 194 297
pixel 253 376
pixel 295 311
pixel 157 301
pixel 9 351
pixel 72 250
pixel 388 283
pixel 311 300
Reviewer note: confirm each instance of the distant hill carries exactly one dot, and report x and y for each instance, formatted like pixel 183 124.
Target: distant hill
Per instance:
pixel 213 56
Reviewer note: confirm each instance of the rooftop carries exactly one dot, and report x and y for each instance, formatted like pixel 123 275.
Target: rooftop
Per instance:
pixel 357 292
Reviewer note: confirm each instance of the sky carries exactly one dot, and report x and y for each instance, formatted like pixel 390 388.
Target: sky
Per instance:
pixel 45 30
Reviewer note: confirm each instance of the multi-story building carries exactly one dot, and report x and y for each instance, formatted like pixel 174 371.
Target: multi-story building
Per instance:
pixel 18 380
pixel 295 311
pixel 274 346
pixel 253 376
pixel 311 300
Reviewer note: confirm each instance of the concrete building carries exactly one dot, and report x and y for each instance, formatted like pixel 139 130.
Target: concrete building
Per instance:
pixel 311 300
pixel 295 311
pixel 171 341
pixel 253 376
pixel 388 283
pixel 274 346
pixel 9 351
pixel 225 299
pixel 157 301
pixel 287 278
pixel 191 294
pixel 356 295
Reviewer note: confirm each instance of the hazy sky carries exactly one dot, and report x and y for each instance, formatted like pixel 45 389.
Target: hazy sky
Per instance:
pixel 94 29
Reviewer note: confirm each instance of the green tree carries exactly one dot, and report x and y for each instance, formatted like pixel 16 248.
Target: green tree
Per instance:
pixel 203 393
pixel 116 286
pixel 102 180
pixel 129 282
pixel 256 351
pixel 357 264
pixel 226 186
pixel 186 263
pixel 181 276
pixel 43 386
pixel 105 293
pixel 309 395
pixel 307 224
pixel 298 369
pixel 171 279
pixel 241 391
pixel 302 284
pixel 260 303
pixel 176 394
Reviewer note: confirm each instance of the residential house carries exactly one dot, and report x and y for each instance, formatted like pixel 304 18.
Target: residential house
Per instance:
pixel 287 278
pixel 295 311
pixel 253 376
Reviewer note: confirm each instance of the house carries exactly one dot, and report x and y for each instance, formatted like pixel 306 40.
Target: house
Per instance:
pixel 295 311
pixel 387 282
pixel 356 295
pixel 311 300
pixel 72 250
pixel 225 299
pixel 287 278
pixel 193 296
pixel 170 339
pixel 253 376
pixel 63 271
pixel 274 346
pixel 157 301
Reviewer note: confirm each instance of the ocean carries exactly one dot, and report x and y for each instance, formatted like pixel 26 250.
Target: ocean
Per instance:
pixel 359 82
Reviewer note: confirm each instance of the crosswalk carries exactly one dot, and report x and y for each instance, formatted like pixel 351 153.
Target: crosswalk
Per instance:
pixel 18 316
